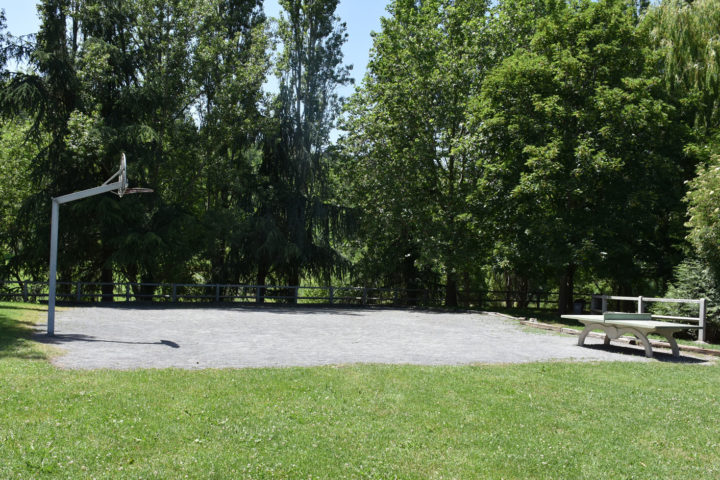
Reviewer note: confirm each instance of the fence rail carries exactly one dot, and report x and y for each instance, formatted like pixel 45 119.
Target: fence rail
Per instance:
pixel 599 304
pixel 185 292
pixel 79 292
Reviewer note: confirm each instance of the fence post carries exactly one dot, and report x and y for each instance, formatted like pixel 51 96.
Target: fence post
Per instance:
pixel 332 294
pixel 78 291
pixel 25 292
pixel 702 335
pixel 127 292
pixel 174 293
pixel 257 293
pixel 604 303
pixel 217 293
pixel 641 304
pixel 364 297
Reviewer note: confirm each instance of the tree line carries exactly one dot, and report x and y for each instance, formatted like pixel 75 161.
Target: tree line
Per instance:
pixel 515 144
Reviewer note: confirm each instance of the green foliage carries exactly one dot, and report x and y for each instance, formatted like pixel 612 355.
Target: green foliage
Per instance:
pixel 580 168
pixel 167 83
pixel 232 61
pixel 518 144
pixel 703 199
pixel 16 155
pixel 296 219
pixel 407 169
pixel 685 33
pixel 685 36
pixel 695 279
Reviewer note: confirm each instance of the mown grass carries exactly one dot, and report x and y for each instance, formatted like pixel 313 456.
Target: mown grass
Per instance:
pixel 544 420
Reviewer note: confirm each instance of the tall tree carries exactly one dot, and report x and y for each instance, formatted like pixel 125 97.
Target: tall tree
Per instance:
pixel 232 65
pixel 294 214
pixel 582 163
pixel 47 93
pixel 408 167
pixel 144 77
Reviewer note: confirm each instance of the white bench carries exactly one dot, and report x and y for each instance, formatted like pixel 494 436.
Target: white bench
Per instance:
pixel 638 324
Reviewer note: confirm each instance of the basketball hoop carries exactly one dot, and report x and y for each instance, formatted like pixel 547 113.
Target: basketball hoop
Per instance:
pixel 117 184
pixel 120 187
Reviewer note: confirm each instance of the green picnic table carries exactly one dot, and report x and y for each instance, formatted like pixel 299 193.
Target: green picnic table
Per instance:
pixel 638 324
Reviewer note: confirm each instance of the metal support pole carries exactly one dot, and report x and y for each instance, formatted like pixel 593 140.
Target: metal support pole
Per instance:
pixel 54 222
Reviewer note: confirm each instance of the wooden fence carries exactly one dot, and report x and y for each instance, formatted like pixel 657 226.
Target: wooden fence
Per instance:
pixel 81 292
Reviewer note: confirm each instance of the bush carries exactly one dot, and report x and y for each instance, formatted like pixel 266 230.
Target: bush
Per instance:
pixel 694 279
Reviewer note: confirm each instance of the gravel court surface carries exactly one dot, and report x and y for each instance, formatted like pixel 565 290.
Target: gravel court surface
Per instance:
pixel 122 337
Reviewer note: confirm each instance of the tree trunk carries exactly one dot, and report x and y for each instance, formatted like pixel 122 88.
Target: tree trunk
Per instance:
pixel 523 297
pixel 451 289
pixel 294 281
pixel 260 280
pixel 106 277
pixel 567 287
pixel 466 298
pixel 508 290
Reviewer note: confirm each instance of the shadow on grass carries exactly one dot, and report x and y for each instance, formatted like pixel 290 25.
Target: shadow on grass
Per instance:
pixel 15 337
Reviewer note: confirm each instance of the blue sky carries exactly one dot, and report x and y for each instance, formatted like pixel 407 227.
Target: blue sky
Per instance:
pixel 361 17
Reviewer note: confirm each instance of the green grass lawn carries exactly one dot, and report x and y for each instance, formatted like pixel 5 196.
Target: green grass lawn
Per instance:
pixel 543 420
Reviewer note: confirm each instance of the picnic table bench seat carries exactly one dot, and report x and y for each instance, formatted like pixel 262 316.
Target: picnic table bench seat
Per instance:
pixel 640 325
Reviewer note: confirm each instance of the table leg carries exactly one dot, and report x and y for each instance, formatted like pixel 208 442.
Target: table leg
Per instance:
pixel 673 344
pixel 643 338
pixel 584 334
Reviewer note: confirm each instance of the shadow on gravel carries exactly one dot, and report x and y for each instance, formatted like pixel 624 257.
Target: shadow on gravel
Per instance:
pixel 638 352
pixel 63 339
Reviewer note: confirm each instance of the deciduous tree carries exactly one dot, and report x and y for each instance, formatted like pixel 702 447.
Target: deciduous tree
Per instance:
pixel 409 170
pixel 581 165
